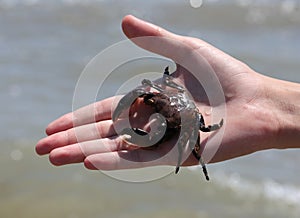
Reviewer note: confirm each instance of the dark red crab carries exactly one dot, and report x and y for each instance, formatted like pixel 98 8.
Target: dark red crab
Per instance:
pixel 172 106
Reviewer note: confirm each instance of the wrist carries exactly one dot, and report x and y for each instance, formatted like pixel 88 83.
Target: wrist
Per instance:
pixel 283 98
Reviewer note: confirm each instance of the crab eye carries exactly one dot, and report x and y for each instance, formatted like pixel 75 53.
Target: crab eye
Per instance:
pixel 149 101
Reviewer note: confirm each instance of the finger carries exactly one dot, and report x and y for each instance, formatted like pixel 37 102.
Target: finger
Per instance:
pixel 188 52
pixel 76 153
pixel 117 160
pixel 89 114
pixel 165 154
pixel 135 158
pixel 183 50
pixel 158 40
pixel 86 132
pixel 134 27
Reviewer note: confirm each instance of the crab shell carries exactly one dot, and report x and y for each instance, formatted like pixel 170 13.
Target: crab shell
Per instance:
pixel 176 113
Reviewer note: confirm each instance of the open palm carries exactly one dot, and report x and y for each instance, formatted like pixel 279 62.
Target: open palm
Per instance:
pixel 76 137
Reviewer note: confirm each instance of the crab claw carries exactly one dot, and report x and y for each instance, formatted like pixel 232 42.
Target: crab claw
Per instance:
pixel 136 136
pixel 142 138
pixel 126 101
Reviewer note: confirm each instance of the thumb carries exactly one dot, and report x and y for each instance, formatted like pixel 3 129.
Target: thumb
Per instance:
pixel 155 39
pixel 134 27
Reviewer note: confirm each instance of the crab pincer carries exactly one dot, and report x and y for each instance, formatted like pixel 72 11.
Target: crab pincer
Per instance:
pixel 126 101
pixel 137 136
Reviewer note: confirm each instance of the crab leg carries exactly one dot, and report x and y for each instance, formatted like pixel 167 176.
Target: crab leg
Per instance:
pixel 208 128
pixel 185 137
pixel 147 82
pixel 168 81
pixel 182 141
pixel 194 144
pixel 195 152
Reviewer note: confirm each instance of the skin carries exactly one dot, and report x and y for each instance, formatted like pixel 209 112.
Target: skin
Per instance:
pixel 261 112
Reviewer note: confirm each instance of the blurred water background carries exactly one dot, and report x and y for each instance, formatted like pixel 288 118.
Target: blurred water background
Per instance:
pixel 44 46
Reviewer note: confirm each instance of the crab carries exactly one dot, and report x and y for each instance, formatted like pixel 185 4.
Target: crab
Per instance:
pixel 172 105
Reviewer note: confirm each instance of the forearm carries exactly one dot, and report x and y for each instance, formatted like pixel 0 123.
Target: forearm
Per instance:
pixel 284 98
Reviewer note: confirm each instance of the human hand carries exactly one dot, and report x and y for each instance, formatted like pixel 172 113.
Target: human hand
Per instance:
pixel 250 124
